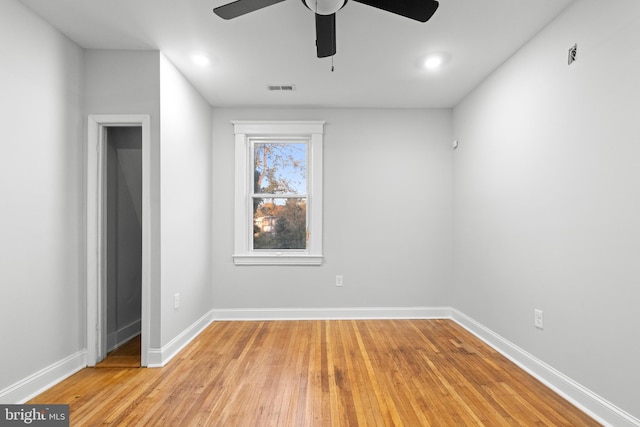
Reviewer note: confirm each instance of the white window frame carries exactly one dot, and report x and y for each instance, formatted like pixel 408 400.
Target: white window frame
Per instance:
pixel 245 131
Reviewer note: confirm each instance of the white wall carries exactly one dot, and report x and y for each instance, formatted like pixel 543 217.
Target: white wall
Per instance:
pixel 547 203
pixel 186 201
pixel 41 186
pixel 387 214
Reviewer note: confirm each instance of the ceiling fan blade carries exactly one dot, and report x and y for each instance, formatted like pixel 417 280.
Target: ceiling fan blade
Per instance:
pixel 326 35
pixel 242 7
pixel 420 10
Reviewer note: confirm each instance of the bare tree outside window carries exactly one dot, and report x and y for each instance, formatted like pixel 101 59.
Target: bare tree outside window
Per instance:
pixel 280 195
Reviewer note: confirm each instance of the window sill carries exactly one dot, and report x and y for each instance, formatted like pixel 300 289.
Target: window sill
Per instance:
pixel 278 259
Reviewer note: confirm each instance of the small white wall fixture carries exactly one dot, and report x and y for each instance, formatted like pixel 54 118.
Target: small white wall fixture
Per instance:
pixel 96 226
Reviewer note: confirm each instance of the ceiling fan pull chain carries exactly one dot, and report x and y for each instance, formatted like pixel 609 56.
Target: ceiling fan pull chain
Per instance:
pixel 332 63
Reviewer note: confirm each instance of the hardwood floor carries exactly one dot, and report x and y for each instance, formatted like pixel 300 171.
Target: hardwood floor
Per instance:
pixel 125 356
pixel 320 373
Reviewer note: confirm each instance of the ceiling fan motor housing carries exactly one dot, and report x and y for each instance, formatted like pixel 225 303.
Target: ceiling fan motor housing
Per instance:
pixel 325 7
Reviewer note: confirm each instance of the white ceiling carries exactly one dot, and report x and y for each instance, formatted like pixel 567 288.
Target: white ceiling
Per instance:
pixel 377 60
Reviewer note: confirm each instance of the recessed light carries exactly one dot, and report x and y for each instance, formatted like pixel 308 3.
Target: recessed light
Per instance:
pixel 200 59
pixel 435 61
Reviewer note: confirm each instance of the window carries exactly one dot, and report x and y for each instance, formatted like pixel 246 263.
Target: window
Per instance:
pixel 278 193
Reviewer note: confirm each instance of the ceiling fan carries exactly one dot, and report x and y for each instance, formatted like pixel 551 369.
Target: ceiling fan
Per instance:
pixel 325 10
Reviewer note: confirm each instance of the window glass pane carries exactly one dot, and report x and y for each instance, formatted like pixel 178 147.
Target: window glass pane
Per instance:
pixel 280 168
pixel 280 223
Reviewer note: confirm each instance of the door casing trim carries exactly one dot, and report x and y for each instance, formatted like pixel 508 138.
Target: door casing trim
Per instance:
pixel 96 249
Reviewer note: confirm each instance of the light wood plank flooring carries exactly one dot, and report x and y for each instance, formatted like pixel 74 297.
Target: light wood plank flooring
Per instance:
pixel 125 356
pixel 320 373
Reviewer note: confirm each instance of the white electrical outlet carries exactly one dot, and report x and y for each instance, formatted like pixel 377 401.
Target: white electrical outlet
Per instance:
pixel 339 280
pixel 176 301
pixel 538 320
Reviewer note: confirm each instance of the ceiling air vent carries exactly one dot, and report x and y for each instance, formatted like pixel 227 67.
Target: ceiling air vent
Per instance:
pixel 281 88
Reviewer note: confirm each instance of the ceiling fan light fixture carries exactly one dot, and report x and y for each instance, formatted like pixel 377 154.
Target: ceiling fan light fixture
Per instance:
pixel 325 15
pixel 325 7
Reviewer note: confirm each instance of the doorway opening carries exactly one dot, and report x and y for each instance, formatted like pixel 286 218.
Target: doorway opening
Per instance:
pixel 118 241
pixel 123 235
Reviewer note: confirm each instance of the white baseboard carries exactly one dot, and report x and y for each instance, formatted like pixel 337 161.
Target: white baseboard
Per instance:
pixel 29 387
pixel 158 357
pixel 117 338
pixel 589 402
pixel 331 313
